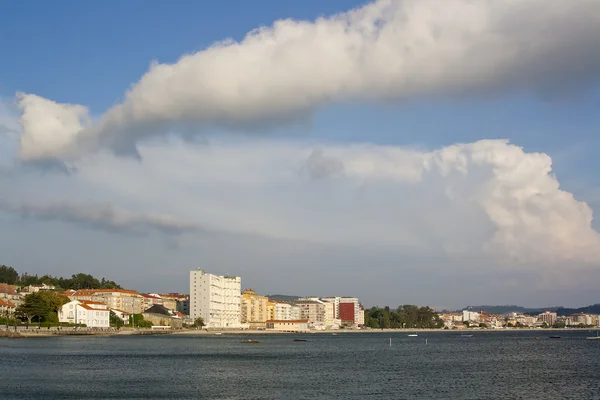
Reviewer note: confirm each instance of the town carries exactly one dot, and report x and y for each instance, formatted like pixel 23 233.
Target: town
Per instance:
pixel 218 303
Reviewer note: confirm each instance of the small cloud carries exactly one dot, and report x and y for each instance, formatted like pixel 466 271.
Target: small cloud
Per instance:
pixel 318 166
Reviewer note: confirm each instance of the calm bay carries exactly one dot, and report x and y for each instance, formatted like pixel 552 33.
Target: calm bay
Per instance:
pixel 489 365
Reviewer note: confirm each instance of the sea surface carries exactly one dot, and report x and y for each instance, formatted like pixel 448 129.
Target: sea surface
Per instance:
pixel 489 365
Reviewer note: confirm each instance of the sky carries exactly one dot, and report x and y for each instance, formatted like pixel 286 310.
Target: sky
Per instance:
pixel 438 153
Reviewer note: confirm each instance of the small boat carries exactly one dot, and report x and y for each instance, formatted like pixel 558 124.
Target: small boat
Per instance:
pixel 300 340
pixel 593 337
pixel 413 335
pixel 334 334
pixel 218 333
pixel 466 335
pixel 250 341
pixel 555 337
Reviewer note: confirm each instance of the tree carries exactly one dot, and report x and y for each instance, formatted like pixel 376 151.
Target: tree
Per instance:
pixel 8 275
pixel 115 320
pixel 199 323
pixel 44 305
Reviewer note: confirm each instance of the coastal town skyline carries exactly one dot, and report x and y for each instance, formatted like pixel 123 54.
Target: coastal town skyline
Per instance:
pixel 398 151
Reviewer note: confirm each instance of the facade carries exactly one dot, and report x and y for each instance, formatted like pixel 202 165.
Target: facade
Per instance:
pixel 216 299
pixel 159 315
pixel 37 288
pixel 126 300
pixel 175 301
pixel 7 307
pixel 295 312
pixel 9 293
pixel 123 315
pixel 90 313
pixel 282 311
pixel 151 299
pixel 288 325
pixel 347 309
pixel 254 311
pixel 183 306
pixel 347 313
pixel 313 311
pixel 270 309
pixel 470 316
pixel 548 317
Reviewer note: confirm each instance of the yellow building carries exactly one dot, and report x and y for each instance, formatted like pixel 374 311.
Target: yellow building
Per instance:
pixel 270 310
pixel 254 309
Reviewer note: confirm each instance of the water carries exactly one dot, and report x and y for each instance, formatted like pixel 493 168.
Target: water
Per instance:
pixel 490 365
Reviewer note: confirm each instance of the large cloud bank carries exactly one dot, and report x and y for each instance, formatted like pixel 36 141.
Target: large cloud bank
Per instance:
pixel 384 50
pixel 486 199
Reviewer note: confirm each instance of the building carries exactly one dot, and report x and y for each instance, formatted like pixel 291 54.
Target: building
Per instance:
pixel 288 325
pixel 295 312
pixel 313 310
pixel 548 317
pixel 126 300
pixel 7 307
pixel 282 311
pixel 176 302
pixel 9 292
pixel 151 299
pixel 36 288
pixel 92 314
pixel 183 306
pixel 470 316
pixel 254 309
pixel 216 299
pixel 123 315
pixel 159 315
pixel 347 309
pixel 271 310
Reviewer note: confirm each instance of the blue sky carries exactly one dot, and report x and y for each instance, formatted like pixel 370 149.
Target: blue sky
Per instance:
pixel 362 135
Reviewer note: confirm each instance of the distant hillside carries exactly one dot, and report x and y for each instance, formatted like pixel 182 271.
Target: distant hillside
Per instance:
pixel 282 297
pixel 505 309
pixel 591 309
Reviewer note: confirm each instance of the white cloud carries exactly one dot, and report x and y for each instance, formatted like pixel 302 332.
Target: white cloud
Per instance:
pixel 487 199
pixel 384 50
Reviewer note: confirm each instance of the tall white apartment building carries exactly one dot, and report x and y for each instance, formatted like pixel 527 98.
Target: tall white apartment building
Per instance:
pixel 286 312
pixel 283 311
pixel 216 299
pixel 295 313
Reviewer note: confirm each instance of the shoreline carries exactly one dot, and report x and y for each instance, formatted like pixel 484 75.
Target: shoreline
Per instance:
pixel 21 334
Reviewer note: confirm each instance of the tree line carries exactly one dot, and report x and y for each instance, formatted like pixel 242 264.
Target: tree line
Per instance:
pixel 77 281
pixel 406 316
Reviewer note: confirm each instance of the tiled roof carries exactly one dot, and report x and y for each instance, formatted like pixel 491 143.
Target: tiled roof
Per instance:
pixel 91 302
pixel 87 307
pixel 8 289
pixel 121 311
pixel 91 292
pixel 175 295
pixel 6 303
